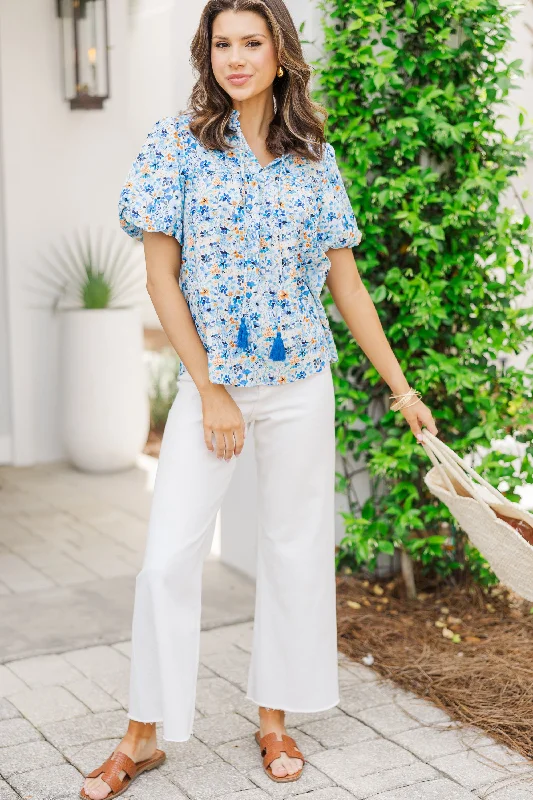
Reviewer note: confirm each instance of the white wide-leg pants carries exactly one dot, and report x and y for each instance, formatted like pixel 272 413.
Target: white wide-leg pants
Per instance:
pixel 294 659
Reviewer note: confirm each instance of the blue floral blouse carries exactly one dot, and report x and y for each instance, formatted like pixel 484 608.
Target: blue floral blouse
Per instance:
pixel 254 242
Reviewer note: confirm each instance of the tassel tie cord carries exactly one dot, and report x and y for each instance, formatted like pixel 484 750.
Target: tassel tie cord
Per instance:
pixel 277 352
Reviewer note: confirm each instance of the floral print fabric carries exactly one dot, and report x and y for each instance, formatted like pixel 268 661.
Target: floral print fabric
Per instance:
pixel 254 242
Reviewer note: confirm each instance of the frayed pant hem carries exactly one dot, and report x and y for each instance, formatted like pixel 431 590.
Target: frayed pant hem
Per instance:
pixel 168 739
pixel 295 710
pixel 153 722
pixel 144 721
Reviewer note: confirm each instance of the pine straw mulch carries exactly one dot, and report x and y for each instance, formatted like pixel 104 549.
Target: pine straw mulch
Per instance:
pixel 467 650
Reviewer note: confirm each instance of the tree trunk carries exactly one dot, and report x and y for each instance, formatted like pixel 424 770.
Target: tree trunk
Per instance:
pixel 408 575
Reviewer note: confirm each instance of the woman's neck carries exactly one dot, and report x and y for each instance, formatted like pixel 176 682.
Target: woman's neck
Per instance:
pixel 255 115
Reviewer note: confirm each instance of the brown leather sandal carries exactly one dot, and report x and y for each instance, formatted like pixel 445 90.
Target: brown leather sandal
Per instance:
pixel 272 747
pixel 118 762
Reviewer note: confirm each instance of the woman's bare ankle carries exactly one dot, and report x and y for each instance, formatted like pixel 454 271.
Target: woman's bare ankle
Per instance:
pixel 264 710
pixel 140 731
pixel 271 716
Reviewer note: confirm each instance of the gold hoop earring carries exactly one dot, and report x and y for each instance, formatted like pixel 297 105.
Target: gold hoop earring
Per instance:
pixel 281 72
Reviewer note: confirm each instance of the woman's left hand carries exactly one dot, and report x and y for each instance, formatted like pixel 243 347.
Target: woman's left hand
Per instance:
pixel 418 415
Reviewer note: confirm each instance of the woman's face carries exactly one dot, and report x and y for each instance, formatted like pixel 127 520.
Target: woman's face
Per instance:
pixel 243 55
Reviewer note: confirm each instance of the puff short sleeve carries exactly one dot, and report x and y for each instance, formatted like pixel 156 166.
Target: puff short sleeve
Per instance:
pixel 337 226
pixel 152 196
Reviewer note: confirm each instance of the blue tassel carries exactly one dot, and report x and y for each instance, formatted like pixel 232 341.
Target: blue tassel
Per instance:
pixel 278 349
pixel 242 338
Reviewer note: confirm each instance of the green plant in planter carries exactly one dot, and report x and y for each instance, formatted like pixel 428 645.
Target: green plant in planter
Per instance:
pixel 415 92
pixel 96 291
pixel 91 272
pixel 164 370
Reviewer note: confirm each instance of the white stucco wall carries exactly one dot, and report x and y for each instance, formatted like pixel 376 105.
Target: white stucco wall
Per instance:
pixel 160 72
pixel 60 171
pixel 5 380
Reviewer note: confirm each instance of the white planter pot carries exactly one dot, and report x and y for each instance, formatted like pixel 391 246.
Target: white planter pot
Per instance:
pixel 105 414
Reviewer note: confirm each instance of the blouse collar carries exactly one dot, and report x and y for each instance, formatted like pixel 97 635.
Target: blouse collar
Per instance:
pixel 244 150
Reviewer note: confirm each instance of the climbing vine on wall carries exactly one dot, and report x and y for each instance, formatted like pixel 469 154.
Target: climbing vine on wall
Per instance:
pixel 415 93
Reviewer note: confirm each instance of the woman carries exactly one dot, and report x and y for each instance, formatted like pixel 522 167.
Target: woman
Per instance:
pixel 244 216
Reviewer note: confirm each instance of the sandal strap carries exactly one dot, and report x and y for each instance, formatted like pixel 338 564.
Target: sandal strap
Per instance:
pixel 110 769
pixel 98 770
pixel 113 781
pixel 272 747
pixel 123 762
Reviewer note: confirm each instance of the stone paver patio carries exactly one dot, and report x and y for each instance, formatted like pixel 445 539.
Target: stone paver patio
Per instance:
pixel 64 627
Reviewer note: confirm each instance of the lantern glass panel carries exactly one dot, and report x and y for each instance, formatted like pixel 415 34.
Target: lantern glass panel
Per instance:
pixel 69 48
pixel 85 56
pixel 92 50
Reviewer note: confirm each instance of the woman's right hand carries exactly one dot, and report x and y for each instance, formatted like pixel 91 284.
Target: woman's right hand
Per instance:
pixel 223 417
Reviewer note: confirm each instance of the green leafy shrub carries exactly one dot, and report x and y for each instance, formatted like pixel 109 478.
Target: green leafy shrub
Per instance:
pixel 414 92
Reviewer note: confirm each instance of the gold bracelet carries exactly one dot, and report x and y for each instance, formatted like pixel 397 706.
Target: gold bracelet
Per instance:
pixel 403 394
pixel 402 400
pixel 403 403
pixel 406 405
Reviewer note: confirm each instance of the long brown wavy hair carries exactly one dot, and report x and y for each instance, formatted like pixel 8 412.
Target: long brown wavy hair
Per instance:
pixel 298 124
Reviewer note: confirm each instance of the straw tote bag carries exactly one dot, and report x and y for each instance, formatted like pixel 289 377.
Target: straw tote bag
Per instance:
pixel 478 507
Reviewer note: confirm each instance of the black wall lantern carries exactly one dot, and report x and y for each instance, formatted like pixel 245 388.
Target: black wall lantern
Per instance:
pixel 85 52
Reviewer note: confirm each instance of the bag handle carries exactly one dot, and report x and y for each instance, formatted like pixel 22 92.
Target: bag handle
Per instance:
pixel 447 452
pixel 440 468
pixel 446 465
pixel 439 453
